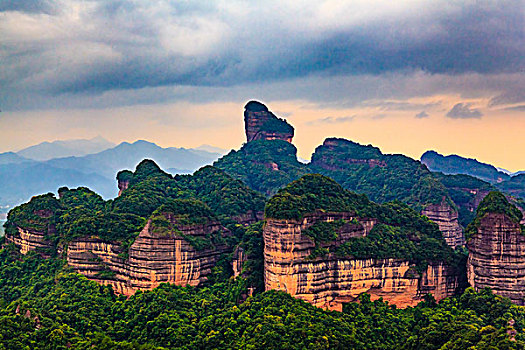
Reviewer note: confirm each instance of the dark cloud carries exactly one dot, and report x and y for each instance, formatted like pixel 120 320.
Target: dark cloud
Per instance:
pixel 422 114
pixel 117 45
pixel 332 120
pixel 463 111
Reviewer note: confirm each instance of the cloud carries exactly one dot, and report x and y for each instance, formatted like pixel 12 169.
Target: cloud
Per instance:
pixel 390 105
pixel 422 114
pixel 516 108
pixel 463 111
pixel 509 97
pixel 29 6
pixel 86 49
pixel 332 120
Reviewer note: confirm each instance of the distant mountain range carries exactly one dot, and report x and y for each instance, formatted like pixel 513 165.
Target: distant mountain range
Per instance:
pixel 504 180
pixel 454 164
pixel 23 175
pixel 65 148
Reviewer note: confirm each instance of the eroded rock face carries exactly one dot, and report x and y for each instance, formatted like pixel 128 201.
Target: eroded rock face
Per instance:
pixel 122 185
pixel 29 240
pixel 154 258
pixel 447 219
pixel 261 124
pixel 329 281
pixel 497 257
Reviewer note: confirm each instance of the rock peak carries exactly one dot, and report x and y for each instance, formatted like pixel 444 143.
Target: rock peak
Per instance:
pixel 261 124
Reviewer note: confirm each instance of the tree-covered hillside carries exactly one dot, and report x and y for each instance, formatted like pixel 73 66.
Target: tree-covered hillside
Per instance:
pixel 81 212
pixel 264 165
pixel 382 177
pixel 514 186
pixel 454 164
pixel 43 305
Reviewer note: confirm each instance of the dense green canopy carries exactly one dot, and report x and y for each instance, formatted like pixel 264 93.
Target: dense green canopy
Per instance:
pixel 43 305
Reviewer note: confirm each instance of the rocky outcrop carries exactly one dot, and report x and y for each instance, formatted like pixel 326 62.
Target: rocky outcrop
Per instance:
pixel 329 281
pixel 497 257
pixel 239 258
pixel 155 257
pixel 447 219
pixel 31 240
pixel 122 185
pixel 261 124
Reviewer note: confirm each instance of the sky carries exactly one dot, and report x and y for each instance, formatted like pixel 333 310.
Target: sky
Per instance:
pixel 406 76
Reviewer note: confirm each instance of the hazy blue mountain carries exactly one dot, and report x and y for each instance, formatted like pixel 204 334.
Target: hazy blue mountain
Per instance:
pixel 65 148
pixel 127 155
pixel 11 157
pixel 22 178
pixel 211 149
pixel 455 164
pixel 20 181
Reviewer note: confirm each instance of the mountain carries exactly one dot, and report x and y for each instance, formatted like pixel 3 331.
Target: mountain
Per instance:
pixel 514 186
pixel 127 155
pixel 23 178
pixel 496 244
pixel 11 157
pixel 20 181
pixel 65 148
pixel 319 239
pixel 211 149
pixel 454 164
pixel 193 261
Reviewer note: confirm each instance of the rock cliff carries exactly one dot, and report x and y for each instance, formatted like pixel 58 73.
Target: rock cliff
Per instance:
pixel 29 240
pixel 155 257
pixel 497 251
pixel 387 177
pixel 261 124
pixel 330 281
pixel 447 219
pixel 326 245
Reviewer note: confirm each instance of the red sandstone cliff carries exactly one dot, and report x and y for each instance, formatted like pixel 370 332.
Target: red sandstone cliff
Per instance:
pixel 447 219
pixel 261 124
pixel 155 257
pixel 329 281
pixel 497 257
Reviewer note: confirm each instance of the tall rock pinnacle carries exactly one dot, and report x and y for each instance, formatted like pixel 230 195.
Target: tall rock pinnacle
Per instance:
pixel 261 124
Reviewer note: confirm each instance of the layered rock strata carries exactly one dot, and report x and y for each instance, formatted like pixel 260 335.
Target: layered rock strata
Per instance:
pixel 446 218
pixel 497 257
pixel 261 124
pixel 154 258
pixel 329 281
pixel 30 240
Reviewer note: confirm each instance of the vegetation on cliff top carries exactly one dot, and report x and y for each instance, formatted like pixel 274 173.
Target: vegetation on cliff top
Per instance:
pixel 264 165
pixel 494 202
pixel 38 215
pixel 46 306
pixel 81 212
pixel 382 177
